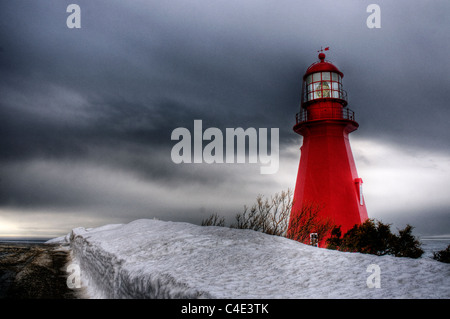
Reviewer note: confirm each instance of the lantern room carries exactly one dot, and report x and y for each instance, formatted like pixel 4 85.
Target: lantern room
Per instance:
pixel 323 80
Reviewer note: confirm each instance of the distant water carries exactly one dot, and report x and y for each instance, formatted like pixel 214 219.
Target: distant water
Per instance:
pixel 22 240
pixel 431 245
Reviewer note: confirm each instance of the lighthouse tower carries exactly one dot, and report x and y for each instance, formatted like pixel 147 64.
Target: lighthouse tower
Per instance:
pixel 327 177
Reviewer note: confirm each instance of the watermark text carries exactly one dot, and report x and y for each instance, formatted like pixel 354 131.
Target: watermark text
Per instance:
pixel 190 147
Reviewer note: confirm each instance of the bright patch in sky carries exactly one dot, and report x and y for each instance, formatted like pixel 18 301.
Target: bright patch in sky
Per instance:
pixel 397 177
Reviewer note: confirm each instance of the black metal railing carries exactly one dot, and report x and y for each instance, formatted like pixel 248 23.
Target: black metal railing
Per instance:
pixel 324 114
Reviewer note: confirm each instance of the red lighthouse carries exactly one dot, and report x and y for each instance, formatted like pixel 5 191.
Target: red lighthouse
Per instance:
pixel 327 176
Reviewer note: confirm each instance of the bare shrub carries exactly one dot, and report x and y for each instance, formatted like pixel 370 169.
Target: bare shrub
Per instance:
pixel 214 220
pixel 308 221
pixel 270 216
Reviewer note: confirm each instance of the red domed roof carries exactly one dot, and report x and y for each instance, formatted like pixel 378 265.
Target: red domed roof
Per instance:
pixel 322 66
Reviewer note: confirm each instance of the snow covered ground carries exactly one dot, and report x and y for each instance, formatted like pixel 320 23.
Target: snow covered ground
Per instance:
pixel 157 259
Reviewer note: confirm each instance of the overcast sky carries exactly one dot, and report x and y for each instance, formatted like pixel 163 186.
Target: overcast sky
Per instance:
pixel 86 115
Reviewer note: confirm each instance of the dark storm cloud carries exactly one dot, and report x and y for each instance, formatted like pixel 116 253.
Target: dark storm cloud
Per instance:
pixel 168 64
pixel 105 98
pixel 132 85
pixel 128 88
pixel 398 84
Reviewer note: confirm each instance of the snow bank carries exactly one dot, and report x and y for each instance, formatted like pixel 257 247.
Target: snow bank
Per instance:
pixel 157 259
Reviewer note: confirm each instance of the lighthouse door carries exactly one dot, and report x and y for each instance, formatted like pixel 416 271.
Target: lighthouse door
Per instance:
pixel 314 239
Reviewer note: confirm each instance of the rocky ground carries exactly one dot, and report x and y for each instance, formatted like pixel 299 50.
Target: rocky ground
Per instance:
pixel 33 271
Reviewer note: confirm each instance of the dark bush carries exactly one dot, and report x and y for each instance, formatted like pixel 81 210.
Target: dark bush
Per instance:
pixel 443 255
pixel 335 240
pixel 370 238
pixel 374 237
pixel 405 244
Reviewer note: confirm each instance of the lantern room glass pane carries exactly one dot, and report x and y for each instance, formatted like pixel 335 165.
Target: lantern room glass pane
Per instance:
pixel 317 90
pixel 335 94
pixel 334 89
pixel 309 92
pixel 325 89
pixel 316 77
pixel 308 79
pixel 325 76
pixel 335 77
